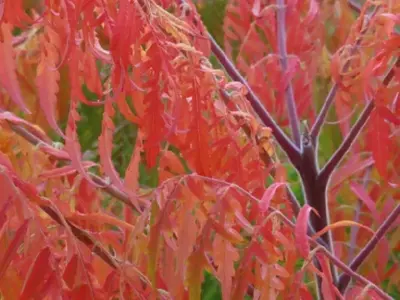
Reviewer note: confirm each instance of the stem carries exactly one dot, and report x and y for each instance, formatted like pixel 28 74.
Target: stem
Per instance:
pixel 315 195
pixel 344 279
pixel 83 236
pixel 328 169
pixel 337 157
pixel 286 144
pixel 290 102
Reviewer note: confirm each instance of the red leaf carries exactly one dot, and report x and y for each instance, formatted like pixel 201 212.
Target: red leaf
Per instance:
pixel 387 114
pixel 12 249
pixel 105 151
pixel 8 77
pixel 301 236
pixel 47 78
pixel 72 145
pixel 83 291
pixel 38 274
pixel 70 272
pixel 379 142
pixel 363 195
pixel 1 9
pixel 268 194
pixel 106 144
pixel 8 190
pixel 3 216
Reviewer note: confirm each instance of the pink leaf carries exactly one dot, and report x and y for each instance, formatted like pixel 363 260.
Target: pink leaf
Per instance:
pixel 363 195
pixel 269 194
pixel 301 236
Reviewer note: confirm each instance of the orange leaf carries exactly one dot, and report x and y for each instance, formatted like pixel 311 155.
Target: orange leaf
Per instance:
pixel 341 224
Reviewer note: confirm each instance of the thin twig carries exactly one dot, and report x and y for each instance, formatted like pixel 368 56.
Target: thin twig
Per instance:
pixel 290 102
pixel 344 279
pixel 285 143
pixel 337 157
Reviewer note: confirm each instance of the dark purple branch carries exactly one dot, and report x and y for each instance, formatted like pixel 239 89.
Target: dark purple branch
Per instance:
pixel 286 144
pixel 344 279
pixel 290 102
pixel 336 158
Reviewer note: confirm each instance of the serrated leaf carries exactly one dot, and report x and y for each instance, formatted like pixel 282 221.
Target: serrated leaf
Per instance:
pixel 47 78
